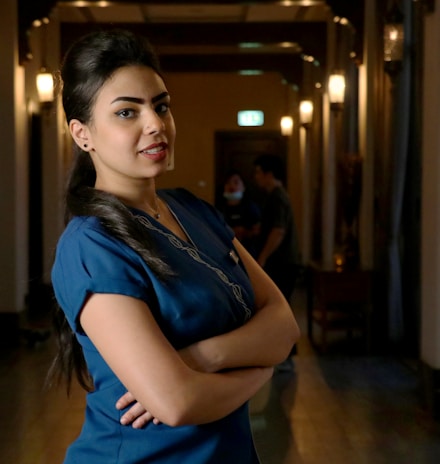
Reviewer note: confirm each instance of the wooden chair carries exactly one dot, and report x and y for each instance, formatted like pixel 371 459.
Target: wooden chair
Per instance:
pixel 339 301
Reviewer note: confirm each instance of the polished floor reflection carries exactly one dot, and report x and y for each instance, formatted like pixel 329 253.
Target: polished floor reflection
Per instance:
pixel 342 408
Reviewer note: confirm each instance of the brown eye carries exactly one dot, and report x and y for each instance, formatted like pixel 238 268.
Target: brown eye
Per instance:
pixel 125 113
pixel 162 108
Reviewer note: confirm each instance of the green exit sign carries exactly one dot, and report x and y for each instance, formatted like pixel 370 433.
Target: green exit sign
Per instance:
pixel 250 118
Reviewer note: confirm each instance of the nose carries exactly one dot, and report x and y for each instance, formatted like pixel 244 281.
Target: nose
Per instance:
pixel 153 123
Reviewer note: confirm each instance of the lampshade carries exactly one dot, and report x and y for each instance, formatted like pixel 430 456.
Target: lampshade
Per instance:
pixel 45 86
pixel 306 112
pixel 286 125
pixel 336 88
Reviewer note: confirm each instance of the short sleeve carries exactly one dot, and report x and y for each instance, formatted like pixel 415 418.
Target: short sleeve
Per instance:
pixel 88 260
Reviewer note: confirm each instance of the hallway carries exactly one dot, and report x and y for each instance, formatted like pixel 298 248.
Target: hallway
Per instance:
pixel 335 409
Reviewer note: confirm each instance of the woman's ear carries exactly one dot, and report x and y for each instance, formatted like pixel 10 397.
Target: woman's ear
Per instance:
pixel 80 134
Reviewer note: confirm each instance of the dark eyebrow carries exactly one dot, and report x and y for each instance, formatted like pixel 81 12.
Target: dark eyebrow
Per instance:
pixel 141 100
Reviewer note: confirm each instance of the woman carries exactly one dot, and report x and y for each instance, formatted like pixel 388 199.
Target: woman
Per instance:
pixel 241 213
pixel 160 304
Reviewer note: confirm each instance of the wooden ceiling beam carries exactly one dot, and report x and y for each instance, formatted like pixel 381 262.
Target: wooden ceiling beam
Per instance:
pixel 289 65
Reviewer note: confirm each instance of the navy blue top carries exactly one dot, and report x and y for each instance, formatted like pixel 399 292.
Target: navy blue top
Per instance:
pixel 210 294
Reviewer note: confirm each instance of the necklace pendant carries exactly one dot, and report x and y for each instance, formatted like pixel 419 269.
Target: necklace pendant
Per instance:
pixel 157 216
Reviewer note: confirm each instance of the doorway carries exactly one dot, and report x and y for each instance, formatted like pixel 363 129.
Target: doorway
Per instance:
pixel 237 150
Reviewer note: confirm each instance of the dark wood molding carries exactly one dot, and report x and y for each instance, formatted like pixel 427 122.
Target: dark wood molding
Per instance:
pixel 28 12
pixel 9 330
pixel 428 5
pixel 310 36
pixel 430 379
pixel 174 38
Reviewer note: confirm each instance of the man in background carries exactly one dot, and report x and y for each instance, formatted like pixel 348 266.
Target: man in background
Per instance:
pixel 277 250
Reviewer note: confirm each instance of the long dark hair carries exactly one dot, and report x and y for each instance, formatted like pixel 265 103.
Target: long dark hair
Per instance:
pixel 87 65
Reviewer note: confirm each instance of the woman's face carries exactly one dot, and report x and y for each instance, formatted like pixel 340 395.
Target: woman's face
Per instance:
pixel 132 132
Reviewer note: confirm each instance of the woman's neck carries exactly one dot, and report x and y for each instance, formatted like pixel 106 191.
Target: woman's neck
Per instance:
pixel 140 195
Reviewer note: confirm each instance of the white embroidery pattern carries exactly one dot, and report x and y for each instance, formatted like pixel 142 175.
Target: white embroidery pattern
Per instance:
pixel 236 289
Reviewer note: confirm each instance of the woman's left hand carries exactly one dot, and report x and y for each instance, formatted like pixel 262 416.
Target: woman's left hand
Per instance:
pixel 137 416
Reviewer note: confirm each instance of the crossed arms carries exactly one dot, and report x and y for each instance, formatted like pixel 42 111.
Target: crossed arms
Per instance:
pixel 203 382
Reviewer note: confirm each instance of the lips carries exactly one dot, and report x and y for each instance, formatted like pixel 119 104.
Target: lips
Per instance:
pixel 155 151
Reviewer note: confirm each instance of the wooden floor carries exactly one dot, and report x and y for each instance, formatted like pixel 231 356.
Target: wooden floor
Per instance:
pixel 340 408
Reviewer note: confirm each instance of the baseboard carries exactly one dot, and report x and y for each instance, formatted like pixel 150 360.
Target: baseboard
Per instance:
pixel 9 329
pixel 431 389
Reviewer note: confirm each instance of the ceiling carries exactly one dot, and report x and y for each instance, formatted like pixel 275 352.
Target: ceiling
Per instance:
pixel 212 36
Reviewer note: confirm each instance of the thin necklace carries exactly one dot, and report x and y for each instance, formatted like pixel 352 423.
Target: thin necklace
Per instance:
pixel 155 210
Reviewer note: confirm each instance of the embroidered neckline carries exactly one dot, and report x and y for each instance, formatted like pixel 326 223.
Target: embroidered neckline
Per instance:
pixel 193 252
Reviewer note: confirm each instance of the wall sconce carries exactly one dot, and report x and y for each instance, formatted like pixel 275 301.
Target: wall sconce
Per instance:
pixel 336 91
pixel 306 113
pixel 286 125
pixel 393 40
pixel 45 88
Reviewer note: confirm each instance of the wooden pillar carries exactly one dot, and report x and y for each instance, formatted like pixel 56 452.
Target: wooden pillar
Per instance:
pixel 13 178
pixel 430 273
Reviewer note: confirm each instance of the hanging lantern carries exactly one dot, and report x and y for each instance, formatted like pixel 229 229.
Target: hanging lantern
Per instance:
pixel 286 125
pixel 393 41
pixel 45 87
pixel 306 113
pixel 336 91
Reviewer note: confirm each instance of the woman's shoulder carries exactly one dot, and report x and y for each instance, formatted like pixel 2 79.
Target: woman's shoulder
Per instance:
pixel 86 233
pixel 86 245
pixel 79 226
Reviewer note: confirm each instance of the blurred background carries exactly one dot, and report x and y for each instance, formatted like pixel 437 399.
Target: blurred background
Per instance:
pixel 344 91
